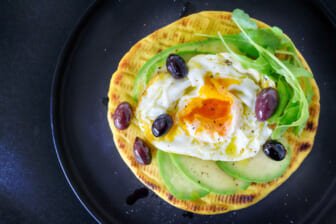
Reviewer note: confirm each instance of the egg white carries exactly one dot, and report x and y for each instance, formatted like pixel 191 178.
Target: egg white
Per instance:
pixel 164 94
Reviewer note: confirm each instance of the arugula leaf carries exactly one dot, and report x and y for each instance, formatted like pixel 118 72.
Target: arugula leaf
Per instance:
pixel 265 38
pixel 296 112
pixel 298 94
pixel 287 46
pixel 238 42
pixel 298 71
pixel 285 94
pixel 244 19
pixel 308 89
pixel 243 46
pixel 260 64
pixel 292 113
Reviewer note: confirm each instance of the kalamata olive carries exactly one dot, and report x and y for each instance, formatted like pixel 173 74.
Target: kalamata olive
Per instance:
pixel 162 124
pixel 176 66
pixel 141 152
pixel 266 103
pixel 122 116
pixel 274 150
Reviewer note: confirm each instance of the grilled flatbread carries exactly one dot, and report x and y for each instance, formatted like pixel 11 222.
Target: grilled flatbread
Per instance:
pixel 182 31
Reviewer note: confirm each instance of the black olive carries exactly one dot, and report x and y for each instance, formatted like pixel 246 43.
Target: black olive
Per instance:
pixel 266 103
pixel 176 66
pixel 141 152
pixel 162 124
pixel 274 150
pixel 122 116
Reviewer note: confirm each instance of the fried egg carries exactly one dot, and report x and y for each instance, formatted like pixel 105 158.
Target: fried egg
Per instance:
pixel 212 109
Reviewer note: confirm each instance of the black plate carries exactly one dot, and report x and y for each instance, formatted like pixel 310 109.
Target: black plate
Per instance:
pixel 83 141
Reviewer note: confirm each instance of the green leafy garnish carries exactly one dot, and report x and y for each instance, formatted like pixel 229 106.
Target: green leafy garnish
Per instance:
pixel 265 38
pixel 298 71
pixel 259 64
pixel 296 112
pixel 243 20
pixel 285 93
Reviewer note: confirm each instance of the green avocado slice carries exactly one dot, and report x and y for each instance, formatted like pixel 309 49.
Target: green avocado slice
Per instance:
pixel 208 175
pixel 259 169
pixel 178 184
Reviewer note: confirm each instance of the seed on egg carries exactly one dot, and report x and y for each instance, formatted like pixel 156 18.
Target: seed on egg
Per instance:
pixel 228 62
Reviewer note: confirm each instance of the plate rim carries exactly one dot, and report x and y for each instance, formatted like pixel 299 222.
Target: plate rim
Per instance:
pixel 58 75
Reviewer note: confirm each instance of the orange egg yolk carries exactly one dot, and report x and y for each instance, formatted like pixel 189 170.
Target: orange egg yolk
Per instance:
pixel 212 110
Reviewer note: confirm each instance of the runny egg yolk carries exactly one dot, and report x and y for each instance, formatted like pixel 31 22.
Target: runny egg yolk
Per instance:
pixel 212 110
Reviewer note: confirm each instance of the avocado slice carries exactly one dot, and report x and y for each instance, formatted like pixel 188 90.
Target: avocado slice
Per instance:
pixel 178 184
pixel 259 169
pixel 208 175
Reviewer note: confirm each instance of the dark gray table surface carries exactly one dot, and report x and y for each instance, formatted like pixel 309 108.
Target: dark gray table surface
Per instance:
pixel 32 186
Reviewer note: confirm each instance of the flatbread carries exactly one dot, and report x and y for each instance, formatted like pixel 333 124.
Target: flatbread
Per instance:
pixel 182 31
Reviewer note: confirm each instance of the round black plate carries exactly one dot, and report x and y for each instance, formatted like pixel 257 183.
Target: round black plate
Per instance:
pixel 83 140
